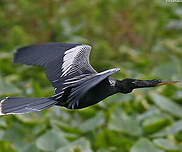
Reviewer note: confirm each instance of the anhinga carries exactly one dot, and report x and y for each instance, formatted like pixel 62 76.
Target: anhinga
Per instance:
pixel 77 85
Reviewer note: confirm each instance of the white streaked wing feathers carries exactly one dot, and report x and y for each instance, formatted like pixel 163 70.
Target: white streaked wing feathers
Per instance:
pixel 77 60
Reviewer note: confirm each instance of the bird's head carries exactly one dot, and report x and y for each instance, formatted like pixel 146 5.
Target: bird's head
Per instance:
pixel 127 85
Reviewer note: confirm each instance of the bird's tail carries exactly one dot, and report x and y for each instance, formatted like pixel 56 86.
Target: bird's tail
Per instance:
pixel 19 105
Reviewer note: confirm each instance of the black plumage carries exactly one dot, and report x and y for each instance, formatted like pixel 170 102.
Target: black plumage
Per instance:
pixel 77 85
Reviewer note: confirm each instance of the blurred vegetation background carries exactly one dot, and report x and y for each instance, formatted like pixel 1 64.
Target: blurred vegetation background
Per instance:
pixel 143 38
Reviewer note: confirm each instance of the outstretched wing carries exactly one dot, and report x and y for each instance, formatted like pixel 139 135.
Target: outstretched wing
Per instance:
pixel 61 61
pixel 80 87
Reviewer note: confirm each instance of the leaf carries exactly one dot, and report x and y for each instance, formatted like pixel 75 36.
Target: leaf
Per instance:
pixel 93 123
pixel 30 148
pixel 80 145
pixel 7 88
pixel 107 137
pixel 66 127
pixel 121 122
pixel 144 145
pixel 51 141
pixel 166 144
pixel 166 70
pixel 15 134
pixel 175 128
pixel 155 123
pixel 166 104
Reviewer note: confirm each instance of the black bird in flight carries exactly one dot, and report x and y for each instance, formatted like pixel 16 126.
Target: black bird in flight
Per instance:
pixel 77 85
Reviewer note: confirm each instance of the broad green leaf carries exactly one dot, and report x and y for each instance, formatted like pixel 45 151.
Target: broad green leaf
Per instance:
pixel 155 123
pixel 107 137
pixel 7 88
pixel 38 128
pixel 92 123
pixel 51 141
pixel 166 144
pixel 67 131
pixel 166 70
pixel 16 135
pixel 144 145
pixel 30 148
pixel 119 121
pixel 166 104
pixel 66 127
pixel 80 145
pixel 175 128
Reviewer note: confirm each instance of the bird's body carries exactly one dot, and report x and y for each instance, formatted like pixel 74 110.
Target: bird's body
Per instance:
pixel 76 84
pixel 94 95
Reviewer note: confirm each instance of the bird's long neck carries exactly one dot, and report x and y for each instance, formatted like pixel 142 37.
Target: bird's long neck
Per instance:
pixel 127 85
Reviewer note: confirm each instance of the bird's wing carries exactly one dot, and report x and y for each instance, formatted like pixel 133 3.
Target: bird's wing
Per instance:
pixel 80 87
pixel 61 61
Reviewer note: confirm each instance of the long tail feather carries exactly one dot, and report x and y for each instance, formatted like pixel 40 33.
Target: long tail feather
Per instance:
pixel 19 105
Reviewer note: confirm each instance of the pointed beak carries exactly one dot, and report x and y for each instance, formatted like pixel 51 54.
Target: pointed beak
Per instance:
pixel 167 82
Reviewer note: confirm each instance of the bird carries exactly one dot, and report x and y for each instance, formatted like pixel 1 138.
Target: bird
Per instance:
pixel 76 83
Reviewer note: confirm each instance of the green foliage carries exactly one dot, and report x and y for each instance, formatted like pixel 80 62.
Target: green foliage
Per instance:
pixel 141 37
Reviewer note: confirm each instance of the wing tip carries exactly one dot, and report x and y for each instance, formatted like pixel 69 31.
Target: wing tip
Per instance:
pixel 17 55
pixel 88 46
pixel 1 103
pixel 15 60
pixel 114 70
pixel 117 69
